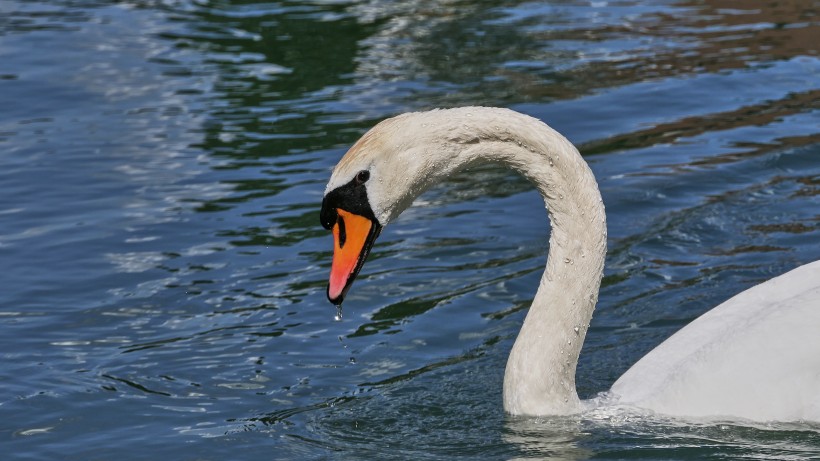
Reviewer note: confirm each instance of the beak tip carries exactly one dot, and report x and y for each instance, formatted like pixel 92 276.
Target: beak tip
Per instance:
pixel 335 294
pixel 336 302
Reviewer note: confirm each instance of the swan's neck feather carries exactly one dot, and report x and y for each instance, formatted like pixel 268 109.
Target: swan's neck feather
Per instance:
pixel 427 147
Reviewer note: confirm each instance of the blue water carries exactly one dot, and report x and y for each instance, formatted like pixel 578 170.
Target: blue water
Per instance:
pixel 162 165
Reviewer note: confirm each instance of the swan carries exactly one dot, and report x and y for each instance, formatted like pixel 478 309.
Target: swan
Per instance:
pixel 756 356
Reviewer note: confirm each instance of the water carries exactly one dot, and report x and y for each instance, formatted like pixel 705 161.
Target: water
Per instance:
pixel 162 165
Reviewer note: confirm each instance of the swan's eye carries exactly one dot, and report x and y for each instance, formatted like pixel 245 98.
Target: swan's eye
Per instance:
pixel 362 176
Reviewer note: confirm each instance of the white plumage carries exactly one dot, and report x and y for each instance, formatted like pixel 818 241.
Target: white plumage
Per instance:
pixel 756 356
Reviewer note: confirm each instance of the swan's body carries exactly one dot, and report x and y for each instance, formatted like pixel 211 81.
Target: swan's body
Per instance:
pixel 401 157
pixel 756 356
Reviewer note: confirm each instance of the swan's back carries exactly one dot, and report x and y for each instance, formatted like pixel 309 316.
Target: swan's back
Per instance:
pixel 755 356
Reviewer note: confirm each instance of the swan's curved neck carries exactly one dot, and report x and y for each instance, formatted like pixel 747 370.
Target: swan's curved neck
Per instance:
pixel 540 374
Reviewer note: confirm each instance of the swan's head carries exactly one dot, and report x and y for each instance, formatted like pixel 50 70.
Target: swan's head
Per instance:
pixel 372 184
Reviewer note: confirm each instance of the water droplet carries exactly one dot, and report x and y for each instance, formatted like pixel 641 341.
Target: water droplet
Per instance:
pixel 567 260
pixel 353 360
pixel 338 316
pixel 576 330
pixel 551 163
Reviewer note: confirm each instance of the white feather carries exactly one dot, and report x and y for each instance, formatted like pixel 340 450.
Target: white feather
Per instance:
pixel 757 356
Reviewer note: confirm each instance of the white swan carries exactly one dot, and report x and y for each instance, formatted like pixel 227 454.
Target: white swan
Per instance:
pixel 757 356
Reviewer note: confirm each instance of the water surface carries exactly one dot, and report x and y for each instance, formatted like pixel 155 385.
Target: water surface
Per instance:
pixel 162 165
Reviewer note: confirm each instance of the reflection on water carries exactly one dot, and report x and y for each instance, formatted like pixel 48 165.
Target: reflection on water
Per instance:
pixel 161 170
pixel 553 438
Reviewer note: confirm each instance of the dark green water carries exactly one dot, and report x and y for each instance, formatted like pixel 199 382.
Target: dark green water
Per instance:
pixel 163 269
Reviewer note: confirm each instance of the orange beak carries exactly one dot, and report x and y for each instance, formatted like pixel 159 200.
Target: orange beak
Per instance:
pixel 353 236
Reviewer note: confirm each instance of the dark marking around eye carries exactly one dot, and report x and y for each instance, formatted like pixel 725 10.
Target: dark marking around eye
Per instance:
pixel 351 197
pixel 362 176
